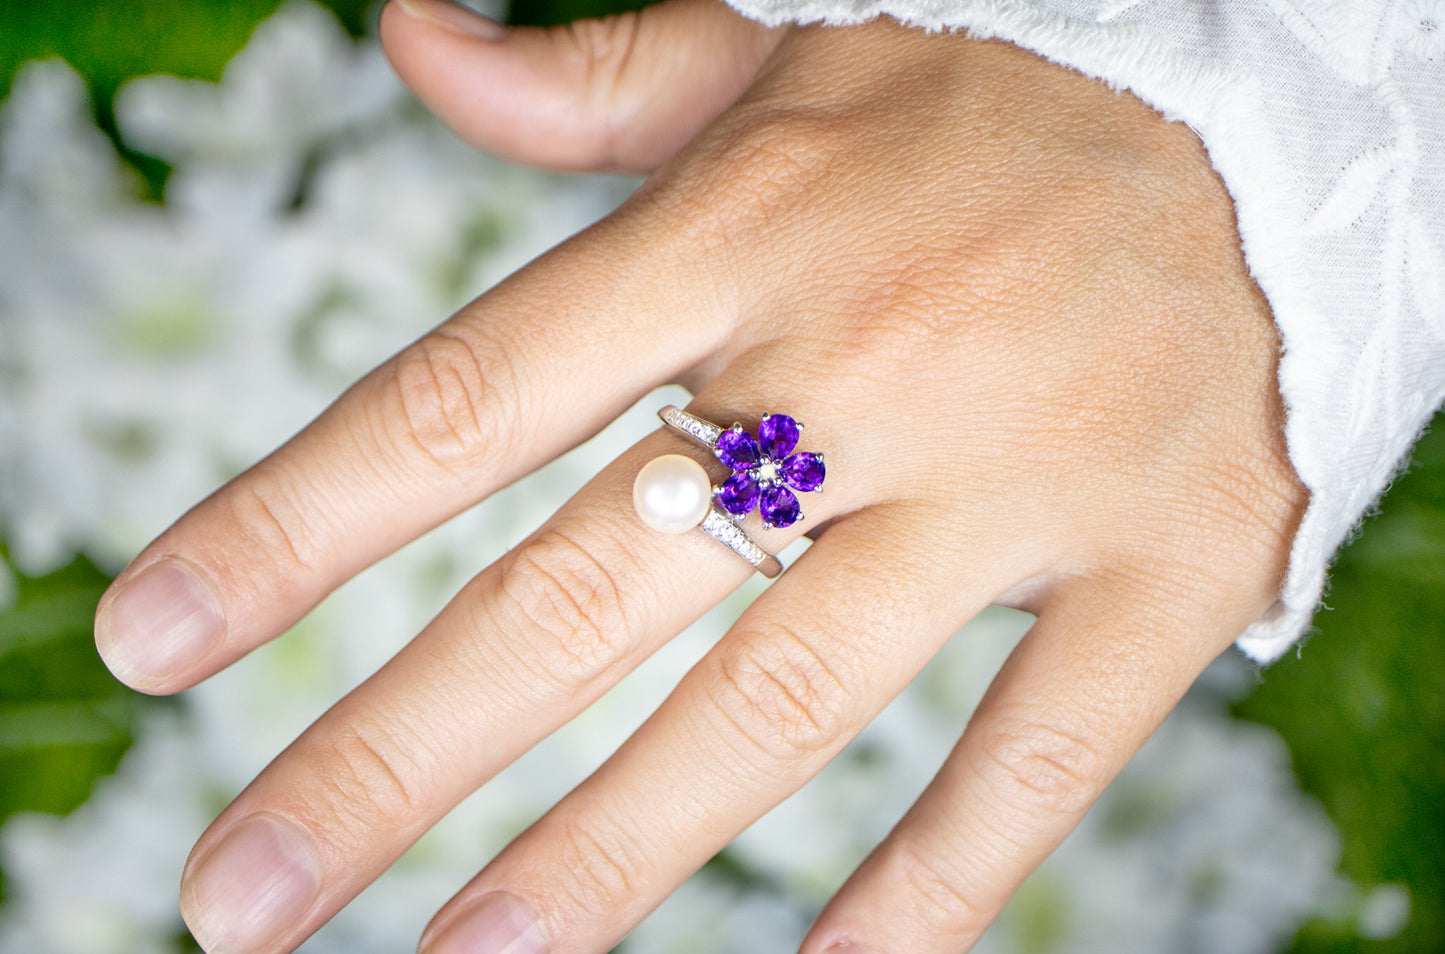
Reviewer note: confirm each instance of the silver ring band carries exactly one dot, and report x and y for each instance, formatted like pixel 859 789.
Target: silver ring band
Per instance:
pixel 704 432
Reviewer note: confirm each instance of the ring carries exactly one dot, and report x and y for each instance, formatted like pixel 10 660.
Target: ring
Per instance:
pixel 673 493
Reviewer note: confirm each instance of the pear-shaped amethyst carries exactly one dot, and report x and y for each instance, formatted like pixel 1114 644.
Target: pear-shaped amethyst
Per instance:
pixel 737 449
pixel 779 507
pixel 778 435
pixel 738 495
pixel 804 472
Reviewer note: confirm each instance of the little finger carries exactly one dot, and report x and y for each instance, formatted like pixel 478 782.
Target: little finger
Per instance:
pixel 1080 694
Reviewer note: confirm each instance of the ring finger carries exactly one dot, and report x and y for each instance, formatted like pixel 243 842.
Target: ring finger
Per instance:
pixel 1100 669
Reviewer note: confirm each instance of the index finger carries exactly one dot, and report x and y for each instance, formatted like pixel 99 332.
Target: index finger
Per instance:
pixel 520 375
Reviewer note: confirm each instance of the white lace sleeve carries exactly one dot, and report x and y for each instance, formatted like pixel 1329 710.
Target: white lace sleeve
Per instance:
pixel 1326 121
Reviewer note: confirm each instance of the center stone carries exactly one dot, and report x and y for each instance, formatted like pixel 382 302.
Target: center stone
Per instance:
pixel 767 472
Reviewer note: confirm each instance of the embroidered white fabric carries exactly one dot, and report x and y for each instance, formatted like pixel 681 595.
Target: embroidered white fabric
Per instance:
pixel 1326 121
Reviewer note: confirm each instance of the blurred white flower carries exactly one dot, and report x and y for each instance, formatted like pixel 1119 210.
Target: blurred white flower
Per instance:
pixel 315 222
pixel 298 86
pixel 148 353
pixel 1204 843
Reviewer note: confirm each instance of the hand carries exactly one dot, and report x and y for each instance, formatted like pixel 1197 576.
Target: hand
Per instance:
pixel 1011 307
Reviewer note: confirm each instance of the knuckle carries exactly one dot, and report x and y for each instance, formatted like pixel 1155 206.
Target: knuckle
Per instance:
pixel 600 54
pixel 939 901
pixel 910 309
pixel 597 873
pixel 752 174
pixel 267 516
pixel 779 694
pixel 603 46
pixel 451 392
pixel 1220 553
pixel 772 157
pixel 602 49
pixel 1045 768
pixel 375 777
pixel 1258 503
pixel 575 617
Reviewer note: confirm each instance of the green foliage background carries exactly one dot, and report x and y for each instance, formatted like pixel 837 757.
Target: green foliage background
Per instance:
pixel 1362 708
pixel 64 722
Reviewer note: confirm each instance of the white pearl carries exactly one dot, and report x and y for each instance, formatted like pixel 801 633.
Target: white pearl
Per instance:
pixel 672 493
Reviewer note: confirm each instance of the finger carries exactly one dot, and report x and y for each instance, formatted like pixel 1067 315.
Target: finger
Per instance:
pixel 802 671
pixel 536 366
pixel 620 94
pixel 527 645
pixel 1081 693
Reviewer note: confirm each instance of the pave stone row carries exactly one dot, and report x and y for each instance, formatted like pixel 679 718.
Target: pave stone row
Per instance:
pixel 699 430
pixel 723 530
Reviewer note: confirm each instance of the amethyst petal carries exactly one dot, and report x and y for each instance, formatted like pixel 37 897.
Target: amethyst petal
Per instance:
pixel 804 471
pixel 737 449
pixel 778 435
pixel 779 507
pixel 738 494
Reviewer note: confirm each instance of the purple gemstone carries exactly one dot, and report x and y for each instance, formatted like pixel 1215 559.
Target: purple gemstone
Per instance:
pixel 804 471
pixel 779 507
pixel 738 494
pixel 737 449
pixel 778 434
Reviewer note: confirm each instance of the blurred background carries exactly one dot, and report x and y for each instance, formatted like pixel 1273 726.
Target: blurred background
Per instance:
pixel 214 214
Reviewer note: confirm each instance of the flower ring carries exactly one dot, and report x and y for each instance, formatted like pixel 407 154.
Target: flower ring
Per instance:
pixel 673 494
pixel 763 471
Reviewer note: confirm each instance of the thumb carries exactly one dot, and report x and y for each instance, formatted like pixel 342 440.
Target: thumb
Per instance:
pixel 619 94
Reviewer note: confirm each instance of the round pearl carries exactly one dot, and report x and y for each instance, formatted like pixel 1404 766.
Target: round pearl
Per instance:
pixel 672 493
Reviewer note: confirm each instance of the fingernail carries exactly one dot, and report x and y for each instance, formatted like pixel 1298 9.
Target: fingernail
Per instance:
pixel 251 886
pixel 497 923
pixel 454 17
pixel 846 947
pixel 163 621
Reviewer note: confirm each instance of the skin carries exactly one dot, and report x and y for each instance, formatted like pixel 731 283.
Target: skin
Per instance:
pixel 1011 306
